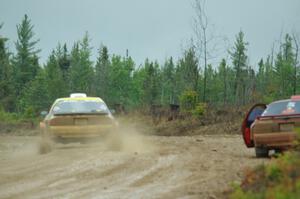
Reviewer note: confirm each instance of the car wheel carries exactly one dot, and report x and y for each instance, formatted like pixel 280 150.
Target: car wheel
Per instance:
pixel 261 152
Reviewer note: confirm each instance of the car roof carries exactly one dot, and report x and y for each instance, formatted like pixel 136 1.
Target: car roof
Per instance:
pixel 80 99
pixel 285 100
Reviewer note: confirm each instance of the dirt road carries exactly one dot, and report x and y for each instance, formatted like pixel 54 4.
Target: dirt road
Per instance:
pixel 145 167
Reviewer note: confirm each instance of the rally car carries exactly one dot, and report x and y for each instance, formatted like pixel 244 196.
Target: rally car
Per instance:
pixel 272 127
pixel 77 117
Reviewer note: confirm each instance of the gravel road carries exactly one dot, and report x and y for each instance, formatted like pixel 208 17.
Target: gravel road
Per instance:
pixel 144 167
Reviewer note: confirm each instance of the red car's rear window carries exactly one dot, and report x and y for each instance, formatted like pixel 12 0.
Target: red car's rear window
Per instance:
pixel 282 108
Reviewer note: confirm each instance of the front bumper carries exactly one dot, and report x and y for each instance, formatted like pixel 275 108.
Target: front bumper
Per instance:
pixel 275 140
pixel 80 131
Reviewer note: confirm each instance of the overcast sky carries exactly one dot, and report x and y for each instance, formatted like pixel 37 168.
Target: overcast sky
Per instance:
pixel 149 28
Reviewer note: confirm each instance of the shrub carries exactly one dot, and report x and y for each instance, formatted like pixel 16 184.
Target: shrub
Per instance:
pixel 188 101
pixel 10 118
pixel 279 180
pixel 200 109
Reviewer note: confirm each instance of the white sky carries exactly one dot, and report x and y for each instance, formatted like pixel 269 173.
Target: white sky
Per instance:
pixel 149 28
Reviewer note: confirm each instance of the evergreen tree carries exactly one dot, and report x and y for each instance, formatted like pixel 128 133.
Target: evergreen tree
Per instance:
pixel 26 60
pixel 284 68
pixel 6 83
pixel 63 58
pixel 138 92
pixel 261 77
pixel 211 89
pixel 151 83
pixel 120 80
pixel 81 67
pixel 54 78
pixel 239 61
pixel 223 80
pixel 102 72
pixel 35 96
pixel 188 67
pixel 168 82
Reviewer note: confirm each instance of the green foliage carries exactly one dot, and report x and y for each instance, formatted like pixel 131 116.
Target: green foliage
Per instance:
pixel 280 179
pixel 239 61
pixel 10 118
pixel 168 82
pixel 151 84
pixel 6 77
pixel 81 67
pixel 187 72
pixel 54 78
pixel 200 110
pixel 35 96
pixel 26 86
pixel 25 61
pixel 274 173
pixel 188 101
pixel 284 68
pixel 120 80
pixel 102 73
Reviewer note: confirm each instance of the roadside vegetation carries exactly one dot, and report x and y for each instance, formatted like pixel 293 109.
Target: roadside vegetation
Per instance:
pixel 279 179
pixel 28 87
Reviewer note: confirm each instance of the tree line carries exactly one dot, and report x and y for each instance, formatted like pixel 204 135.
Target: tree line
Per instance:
pixel 26 86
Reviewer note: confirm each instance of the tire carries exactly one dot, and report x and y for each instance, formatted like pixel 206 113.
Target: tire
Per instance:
pixel 261 152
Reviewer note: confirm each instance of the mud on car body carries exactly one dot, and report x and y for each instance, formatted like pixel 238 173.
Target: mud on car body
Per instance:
pixel 272 127
pixel 77 117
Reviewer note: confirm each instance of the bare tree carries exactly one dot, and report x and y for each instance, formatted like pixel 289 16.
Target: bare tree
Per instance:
pixel 206 40
pixel 200 29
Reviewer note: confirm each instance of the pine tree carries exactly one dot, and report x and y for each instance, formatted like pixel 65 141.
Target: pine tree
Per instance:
pixel 63 58
pixel 138 78
pixel 168 82
pixel 223 78
pixel 120 80
pixel 188 67
pixel 211 88
pixel 7 95
pixel 151 83
pixel 239 61
pixel 102 72
pixel 261 77
pixel 54 78
pixel 284 68
pixel 26 60
pixel 35 96
pixel 81 67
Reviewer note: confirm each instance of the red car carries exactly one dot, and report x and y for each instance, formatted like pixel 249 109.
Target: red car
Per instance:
pixel 272 127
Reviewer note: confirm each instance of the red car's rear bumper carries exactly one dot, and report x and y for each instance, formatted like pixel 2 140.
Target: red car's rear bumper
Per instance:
pixel 275 140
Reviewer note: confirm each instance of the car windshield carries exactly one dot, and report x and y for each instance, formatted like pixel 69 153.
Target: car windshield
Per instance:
pixel 82 106
pixel 282 108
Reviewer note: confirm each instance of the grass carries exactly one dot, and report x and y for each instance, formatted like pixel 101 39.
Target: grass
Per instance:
pixel 14 123
pixel 278 180
pixel 10 118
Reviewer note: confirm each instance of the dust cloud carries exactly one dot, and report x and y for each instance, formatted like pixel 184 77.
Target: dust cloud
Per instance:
pixel 128 138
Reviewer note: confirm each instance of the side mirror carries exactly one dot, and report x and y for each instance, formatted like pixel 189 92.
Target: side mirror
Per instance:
pixel 44 113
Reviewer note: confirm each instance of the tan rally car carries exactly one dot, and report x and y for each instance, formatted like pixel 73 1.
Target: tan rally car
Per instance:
pixel 272 127
pixel 76 117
